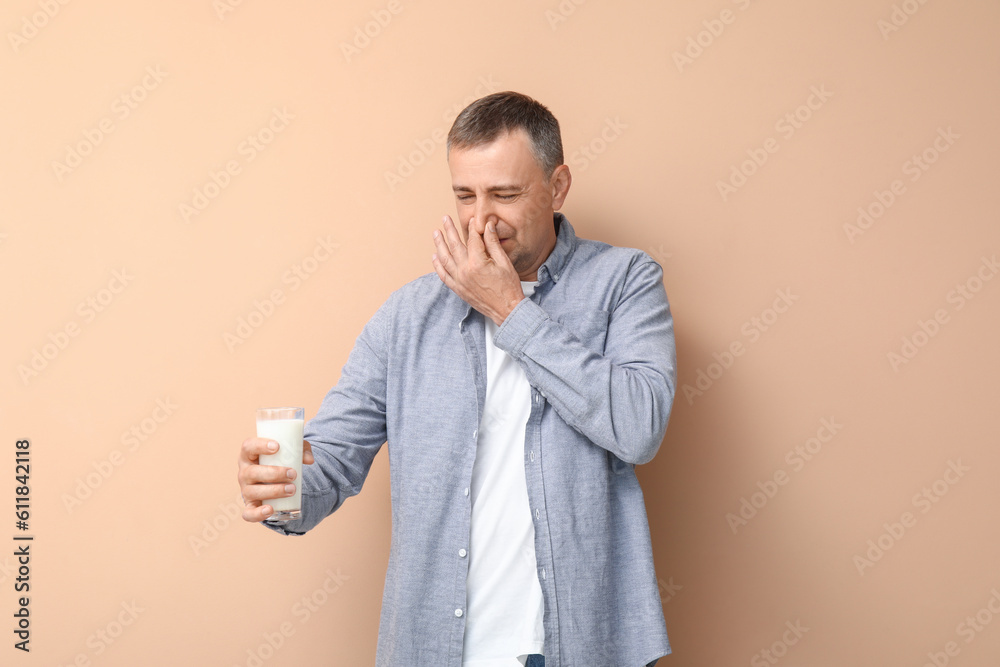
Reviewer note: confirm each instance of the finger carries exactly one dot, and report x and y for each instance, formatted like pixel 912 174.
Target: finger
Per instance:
pixel 493 249
pixel 492 244
pixel 454 240
pixel 443 253
pixel 448 269
pixel 264 492
pixel 307 453
pixel 258 474
pixel 475 227
pixel 477 249
pixel 252 448
pixel 442 272
pixel 255 511
pixel 464 232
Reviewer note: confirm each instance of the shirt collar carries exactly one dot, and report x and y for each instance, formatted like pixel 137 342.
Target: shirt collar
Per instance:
pixel 555 264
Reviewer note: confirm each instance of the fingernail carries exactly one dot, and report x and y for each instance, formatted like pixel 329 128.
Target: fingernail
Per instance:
pixel 289 488
pixel 265 510
pixel 272 446
pixel 291 473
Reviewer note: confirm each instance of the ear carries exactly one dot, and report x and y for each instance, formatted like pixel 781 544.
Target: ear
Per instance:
pixel 560 182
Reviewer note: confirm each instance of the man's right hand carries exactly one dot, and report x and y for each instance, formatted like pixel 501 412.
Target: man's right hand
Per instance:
pixel 259 482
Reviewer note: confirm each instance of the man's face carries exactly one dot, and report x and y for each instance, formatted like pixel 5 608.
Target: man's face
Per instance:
pixel 501 183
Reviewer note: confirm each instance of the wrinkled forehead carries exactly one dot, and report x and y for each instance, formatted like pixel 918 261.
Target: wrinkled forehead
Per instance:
pixel 502 163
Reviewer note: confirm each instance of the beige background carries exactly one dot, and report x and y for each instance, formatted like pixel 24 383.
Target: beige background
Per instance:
pixel 156 533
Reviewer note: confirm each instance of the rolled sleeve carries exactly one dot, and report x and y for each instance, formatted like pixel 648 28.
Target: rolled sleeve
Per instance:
pixel 348 430
pixel 621 399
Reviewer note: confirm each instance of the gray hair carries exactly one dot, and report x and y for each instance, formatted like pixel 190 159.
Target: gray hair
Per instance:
pixel 488 117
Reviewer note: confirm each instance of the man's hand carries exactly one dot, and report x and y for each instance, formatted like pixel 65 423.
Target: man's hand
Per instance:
pixel 259 482
pixel 479 272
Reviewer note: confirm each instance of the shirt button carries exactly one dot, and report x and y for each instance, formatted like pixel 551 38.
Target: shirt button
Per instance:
pixel 536 513
pixel 543 573
pixel 536 398
pixel 458 612
pixel 462 552
pixel 475 433
pixel 531 455
pixel 466 490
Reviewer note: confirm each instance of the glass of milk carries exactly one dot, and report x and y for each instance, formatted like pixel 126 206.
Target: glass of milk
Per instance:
pixel 283 425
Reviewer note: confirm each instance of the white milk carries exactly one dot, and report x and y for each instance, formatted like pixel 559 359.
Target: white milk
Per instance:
pixel 288 434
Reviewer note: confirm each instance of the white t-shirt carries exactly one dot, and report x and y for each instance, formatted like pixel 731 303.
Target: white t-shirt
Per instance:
pixel 504 604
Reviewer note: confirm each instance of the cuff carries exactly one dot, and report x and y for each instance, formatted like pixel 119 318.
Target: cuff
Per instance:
pixel 521 323
pixel 289 528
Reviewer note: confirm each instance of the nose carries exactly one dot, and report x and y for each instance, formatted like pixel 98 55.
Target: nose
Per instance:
pixel 484 213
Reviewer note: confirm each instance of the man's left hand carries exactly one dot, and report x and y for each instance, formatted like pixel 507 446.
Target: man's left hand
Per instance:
pixel 479 272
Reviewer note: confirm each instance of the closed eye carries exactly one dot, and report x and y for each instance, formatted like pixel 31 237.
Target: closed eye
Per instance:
pixel 466 198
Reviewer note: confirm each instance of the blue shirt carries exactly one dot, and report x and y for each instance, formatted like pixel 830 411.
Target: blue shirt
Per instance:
pixel 596 342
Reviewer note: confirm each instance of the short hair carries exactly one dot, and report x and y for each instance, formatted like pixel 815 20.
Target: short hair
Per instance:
pixel 487 118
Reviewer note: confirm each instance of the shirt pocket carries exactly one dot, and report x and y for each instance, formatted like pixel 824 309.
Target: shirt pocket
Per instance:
pixel 590 326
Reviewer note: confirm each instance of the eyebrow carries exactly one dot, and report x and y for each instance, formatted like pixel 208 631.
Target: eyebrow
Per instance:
pixel 495 188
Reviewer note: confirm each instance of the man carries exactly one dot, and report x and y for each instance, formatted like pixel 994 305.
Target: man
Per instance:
pixel 516 387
